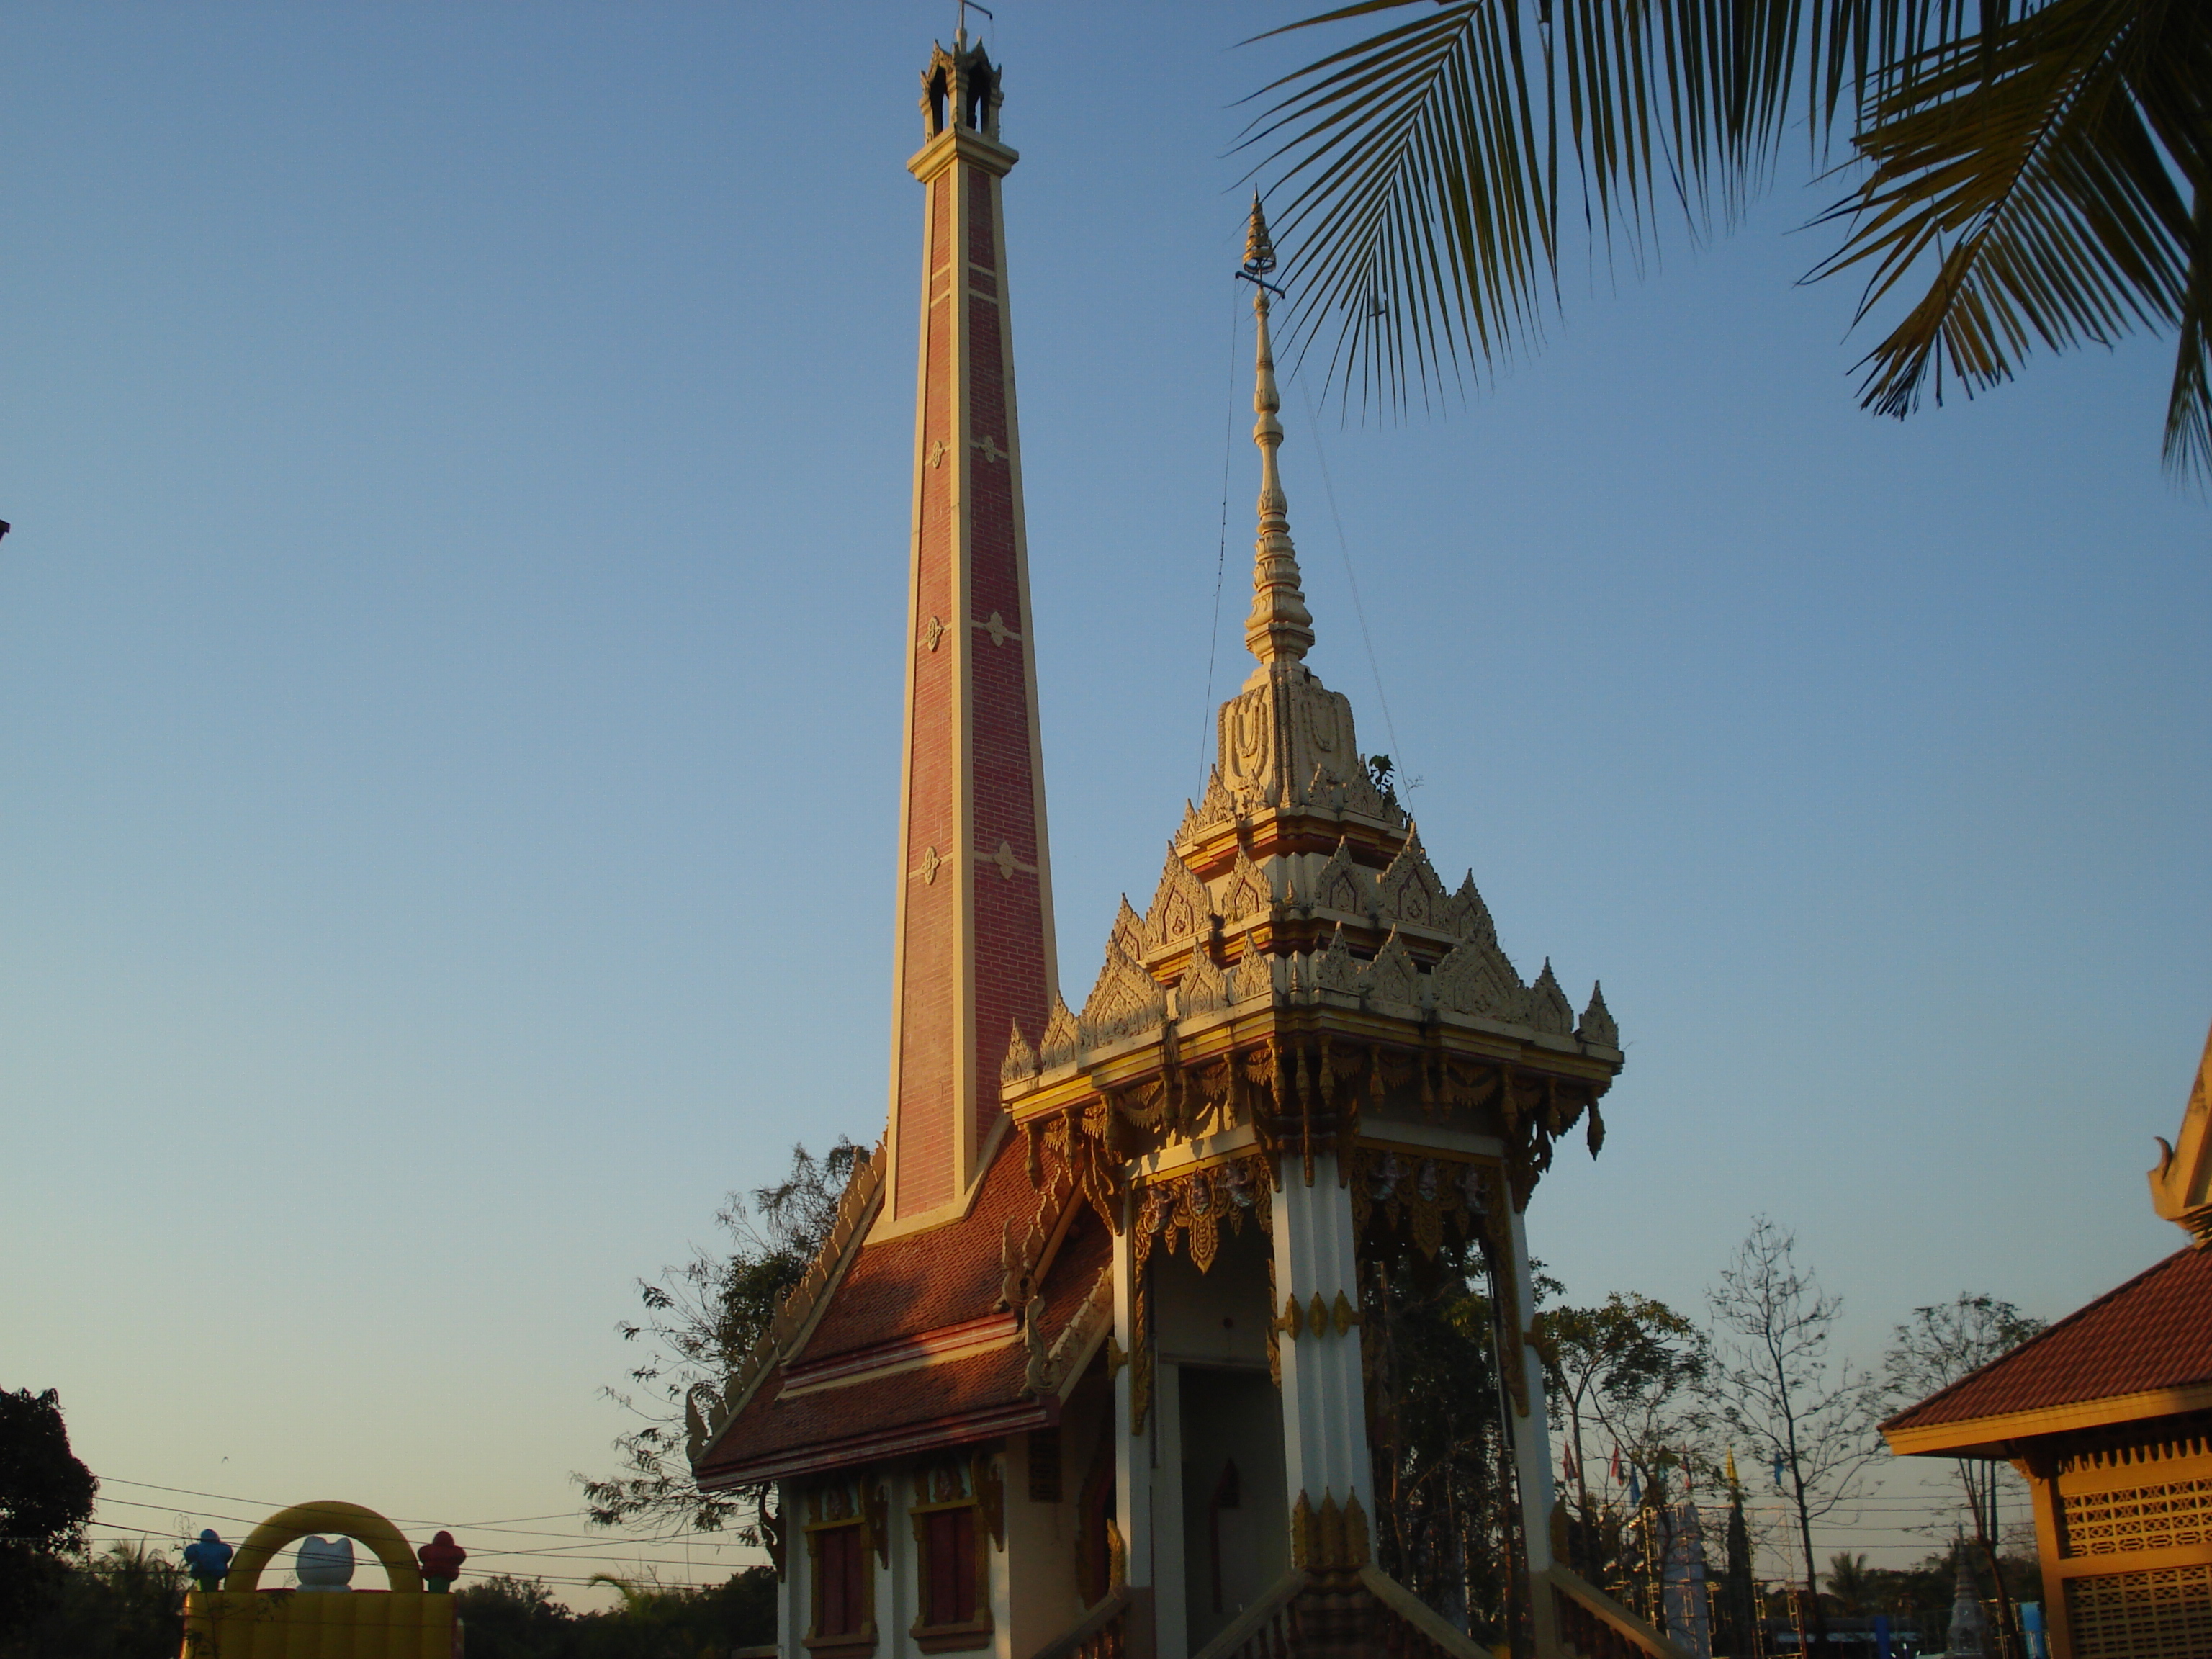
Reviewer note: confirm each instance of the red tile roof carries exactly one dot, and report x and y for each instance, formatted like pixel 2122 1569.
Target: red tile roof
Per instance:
pixel 927 1281
pixel 948 1276
pixel 2153 1332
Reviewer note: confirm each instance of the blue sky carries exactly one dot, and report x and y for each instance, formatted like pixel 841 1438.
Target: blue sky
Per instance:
pixel 449 681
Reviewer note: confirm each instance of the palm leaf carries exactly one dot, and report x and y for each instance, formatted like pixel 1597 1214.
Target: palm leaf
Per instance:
pixel 1422 160
pixel 2040 170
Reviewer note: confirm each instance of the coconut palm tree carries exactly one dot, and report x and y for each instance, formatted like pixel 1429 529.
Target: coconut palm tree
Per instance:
pixel 2022 173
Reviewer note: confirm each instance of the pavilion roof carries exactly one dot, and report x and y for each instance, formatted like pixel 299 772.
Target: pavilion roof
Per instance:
pixel 2140 1350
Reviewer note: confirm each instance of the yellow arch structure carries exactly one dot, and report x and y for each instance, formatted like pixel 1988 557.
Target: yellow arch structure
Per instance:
pixel 348 1520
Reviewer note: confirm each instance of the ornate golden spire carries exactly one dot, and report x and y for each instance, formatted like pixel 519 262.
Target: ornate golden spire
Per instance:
pixel 1280 627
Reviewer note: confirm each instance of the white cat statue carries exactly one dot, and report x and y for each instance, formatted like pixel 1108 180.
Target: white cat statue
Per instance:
pixel 324 1564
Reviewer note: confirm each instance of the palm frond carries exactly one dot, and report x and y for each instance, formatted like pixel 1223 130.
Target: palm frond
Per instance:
pixel 1422 160
pixel 2028 169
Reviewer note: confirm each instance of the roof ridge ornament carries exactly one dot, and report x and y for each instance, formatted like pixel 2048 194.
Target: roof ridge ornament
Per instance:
pixel 1279 629
pixel 2181 1185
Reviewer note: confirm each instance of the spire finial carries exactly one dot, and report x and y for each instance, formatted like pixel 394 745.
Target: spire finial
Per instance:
pixel 1279 627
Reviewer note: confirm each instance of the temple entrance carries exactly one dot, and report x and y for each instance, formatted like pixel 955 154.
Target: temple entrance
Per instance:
pixel 1235 1518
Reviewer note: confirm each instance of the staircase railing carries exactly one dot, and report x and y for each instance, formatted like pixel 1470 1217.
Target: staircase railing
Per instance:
pixel 1365 1610
pixel 1591 1625
pixel 1101 1633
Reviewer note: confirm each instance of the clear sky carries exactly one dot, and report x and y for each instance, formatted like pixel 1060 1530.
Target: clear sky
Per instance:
pixel 450 657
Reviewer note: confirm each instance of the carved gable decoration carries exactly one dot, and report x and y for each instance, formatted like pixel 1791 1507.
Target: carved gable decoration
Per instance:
pixel 1128 932
pixel 1467 915
pixel 1021 1060
pixel 1410 890
pixel 1342 886
pixel 1062 1040
pixel 1180 910
pixel 1214 807
pixel 1476 979
pixel 1323 791
pixel 1598 1026
pixel 1203 987
pixel 1393 977
pixel 1125 1001
pixel 1336 969
pixel 1247 893
pixel 1254 976
pixel 1360 795
pixel 1548 1007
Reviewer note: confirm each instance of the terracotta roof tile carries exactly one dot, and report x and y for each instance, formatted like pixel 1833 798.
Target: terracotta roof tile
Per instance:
pixel 911 1286
pixel 926 1281
pixel 2154 1332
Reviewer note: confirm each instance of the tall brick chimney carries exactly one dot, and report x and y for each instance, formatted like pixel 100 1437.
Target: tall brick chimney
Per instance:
pixel 973 952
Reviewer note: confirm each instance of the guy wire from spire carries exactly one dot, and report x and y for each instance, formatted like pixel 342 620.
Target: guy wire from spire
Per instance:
pixel 1220 557
pixel 1358 610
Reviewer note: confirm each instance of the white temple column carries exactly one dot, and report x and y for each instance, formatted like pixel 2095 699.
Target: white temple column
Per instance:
pixel 1324 1394
pixel 1170 1583
pixel 1134 1451
pixel 1532 1453
pixel 790 1616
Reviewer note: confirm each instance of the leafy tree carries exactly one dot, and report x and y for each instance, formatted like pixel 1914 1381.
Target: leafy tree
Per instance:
pixel 1937 1347
pixel 510 1618
pixel 46 1501
pixel 1849 1583
pixel 1446 1520
pixel 2038 167
pixel 700 1321
pixel 1630 1368
pixel 518 1618
pixel 1776 1390
pixel 122 1604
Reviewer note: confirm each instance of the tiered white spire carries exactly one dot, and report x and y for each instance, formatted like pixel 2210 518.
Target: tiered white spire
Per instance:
pixel 1280 627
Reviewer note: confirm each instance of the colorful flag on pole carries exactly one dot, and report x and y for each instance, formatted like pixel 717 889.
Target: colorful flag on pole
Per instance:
pixel 1567 1463
pixel 1615 1470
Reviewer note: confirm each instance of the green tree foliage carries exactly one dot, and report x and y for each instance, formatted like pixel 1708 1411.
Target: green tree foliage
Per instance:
pixel 1446 1523
pixel 1626 1374
pixel 508 1618
pixel 699 1320
pixel 125 1604
pixel 1850 1591
pixel 1776 1390
pixel 2036 169
pixel 46 1501
pixel 1932 1350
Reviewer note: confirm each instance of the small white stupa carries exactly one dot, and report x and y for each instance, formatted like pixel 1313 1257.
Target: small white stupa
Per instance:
pixel 1970 1627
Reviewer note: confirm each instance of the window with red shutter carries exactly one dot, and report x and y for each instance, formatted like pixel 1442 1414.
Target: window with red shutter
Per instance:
pixel 955 1612
pixel 844 1600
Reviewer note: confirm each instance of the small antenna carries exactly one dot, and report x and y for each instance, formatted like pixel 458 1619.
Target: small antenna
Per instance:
pixel 965 7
